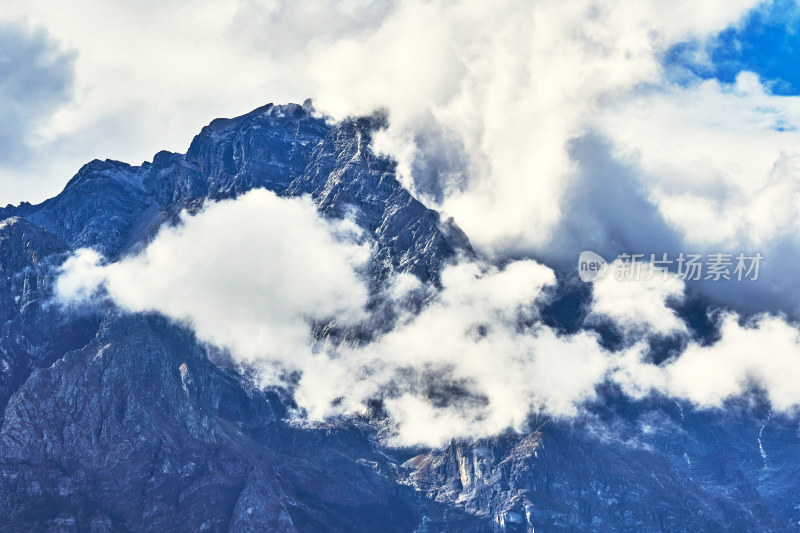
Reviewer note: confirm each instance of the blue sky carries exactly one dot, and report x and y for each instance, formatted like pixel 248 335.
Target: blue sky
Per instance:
pixel 766 41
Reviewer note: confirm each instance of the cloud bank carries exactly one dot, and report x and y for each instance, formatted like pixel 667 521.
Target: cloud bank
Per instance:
pixel 149 75
pixel 259 274
pixel 485 99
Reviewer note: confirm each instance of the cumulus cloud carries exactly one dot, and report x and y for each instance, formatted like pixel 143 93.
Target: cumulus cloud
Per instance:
pixel 543 127
pixel 720 162
pixel 760 355
pixel 249 275
pixel 475 361
pixel 498 377
pixel 149 75
pixel 719 165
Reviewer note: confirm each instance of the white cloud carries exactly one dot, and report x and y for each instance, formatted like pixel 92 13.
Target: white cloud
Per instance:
pixel 640 304
pixel 486 102
pixel 150 74
pixel 484 99
pixel 248 275
pixel 474 362
pixel 720 162
pixel 763 353
pixel 491 107
pixel 496 91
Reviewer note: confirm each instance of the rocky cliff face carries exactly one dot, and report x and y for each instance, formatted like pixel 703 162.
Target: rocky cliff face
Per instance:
pixel 34 334
pixel 138 430
pixel 648 468
pixel 117 422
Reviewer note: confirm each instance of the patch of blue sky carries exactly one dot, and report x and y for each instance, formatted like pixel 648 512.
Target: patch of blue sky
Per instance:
pixel 766 42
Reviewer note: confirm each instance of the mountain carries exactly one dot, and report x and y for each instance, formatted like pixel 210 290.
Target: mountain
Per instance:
pixel 113 207
pixel 125 422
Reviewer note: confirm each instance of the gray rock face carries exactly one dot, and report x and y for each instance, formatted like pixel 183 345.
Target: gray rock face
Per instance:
pixel 34 334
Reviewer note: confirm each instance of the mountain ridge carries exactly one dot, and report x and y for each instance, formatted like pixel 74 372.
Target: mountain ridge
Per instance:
pixel 111 206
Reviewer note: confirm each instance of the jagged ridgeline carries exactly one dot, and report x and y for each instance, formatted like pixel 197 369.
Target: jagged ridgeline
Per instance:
pixel 114 207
